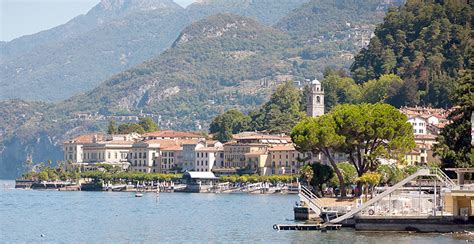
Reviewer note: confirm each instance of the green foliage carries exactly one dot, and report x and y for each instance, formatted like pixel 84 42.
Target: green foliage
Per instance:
pixel 281 112
pixel 410 169
pixel 43 176
pixel 319 135
pixel 307 173
pixel 321 175
pixel 454 145
pixel 148 124
pixel 112 128
pixel 387 89
pixel 371 131
pixel 228 123
pixel 349 174
pixel 390 174
pixel 339 90
pixel 128 128
pixel 370 178
pixel 364 131
pixel 426 43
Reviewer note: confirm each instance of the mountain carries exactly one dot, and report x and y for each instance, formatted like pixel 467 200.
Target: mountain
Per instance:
pixel 220 62
pixel 325 17
pixel 78 62
pixel 102 13
pixel 215 60
pixel 113 36
pixel 266 12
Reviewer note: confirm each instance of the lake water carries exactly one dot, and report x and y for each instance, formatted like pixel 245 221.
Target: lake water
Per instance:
pixel 109 217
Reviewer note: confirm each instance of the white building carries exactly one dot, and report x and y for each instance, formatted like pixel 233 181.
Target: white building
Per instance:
pixel 419 125
pixel 206 157
pixel 142 156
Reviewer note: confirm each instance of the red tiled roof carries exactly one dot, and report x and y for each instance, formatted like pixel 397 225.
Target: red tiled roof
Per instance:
pixel 87 138
pixel 283 148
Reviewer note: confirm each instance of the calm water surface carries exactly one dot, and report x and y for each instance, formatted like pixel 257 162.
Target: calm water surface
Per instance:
pixel 107 217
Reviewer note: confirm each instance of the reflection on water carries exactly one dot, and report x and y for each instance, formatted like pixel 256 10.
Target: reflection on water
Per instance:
pixel 173 217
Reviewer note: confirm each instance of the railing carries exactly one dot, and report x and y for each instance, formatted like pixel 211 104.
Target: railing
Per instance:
pixel 311 199
pixel 350 214
pixel 443 177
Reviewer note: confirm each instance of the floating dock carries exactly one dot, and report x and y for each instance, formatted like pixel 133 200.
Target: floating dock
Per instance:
pixel 307 227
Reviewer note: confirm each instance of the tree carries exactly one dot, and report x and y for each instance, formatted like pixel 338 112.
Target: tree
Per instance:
pixel 365 132
pixel 318 135
pixel 338 89
pixel 43 176
pixel 426 43
pixel 307 173
pixel 385 89
pixel 281 112
pixel 128 128
pixel 228 123
pixel 370 179
pixel 370 132
pixel 454 145
pixel 321 174
pixel 148 124
pixel 348 171
pixel 112 128
pixel 390 174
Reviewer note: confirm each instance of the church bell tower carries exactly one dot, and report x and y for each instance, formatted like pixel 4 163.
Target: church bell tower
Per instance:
pixel 315 103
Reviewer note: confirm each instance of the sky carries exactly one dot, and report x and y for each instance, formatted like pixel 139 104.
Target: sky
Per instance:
pixel 24 17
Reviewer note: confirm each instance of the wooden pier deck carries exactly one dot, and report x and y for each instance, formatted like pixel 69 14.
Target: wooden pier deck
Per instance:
pixel 307 227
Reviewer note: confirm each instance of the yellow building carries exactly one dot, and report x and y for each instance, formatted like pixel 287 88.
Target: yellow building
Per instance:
pixel 460 202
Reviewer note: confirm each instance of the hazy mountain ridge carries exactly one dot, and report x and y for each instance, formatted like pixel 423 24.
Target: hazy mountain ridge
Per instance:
pixel 183 87
pixel 102 13
pixel 322 17
pixel 94 54
pixel 111 37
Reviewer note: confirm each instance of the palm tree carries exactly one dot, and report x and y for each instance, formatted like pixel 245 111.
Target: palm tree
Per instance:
pixel 307 173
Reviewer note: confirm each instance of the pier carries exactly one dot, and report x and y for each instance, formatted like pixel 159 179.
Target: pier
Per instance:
pixel 426 201
pixel 307 227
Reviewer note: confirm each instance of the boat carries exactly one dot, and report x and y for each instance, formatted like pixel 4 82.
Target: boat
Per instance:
pixel 138 194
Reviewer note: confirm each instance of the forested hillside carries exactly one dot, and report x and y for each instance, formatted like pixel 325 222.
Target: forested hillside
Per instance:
pixel 427 43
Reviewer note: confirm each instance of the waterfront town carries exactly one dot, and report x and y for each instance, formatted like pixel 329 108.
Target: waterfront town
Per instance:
pixel 204 121
pixel 424 200
pixel 168 151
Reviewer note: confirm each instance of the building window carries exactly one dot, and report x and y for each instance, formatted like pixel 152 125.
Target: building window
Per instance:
pixel 108 155
pixel 318 99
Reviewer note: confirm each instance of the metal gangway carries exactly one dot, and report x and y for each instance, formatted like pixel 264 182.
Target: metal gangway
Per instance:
pixel 424 172
pixel 311 200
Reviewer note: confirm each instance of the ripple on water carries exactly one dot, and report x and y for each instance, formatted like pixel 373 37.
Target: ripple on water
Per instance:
pixel 97 217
